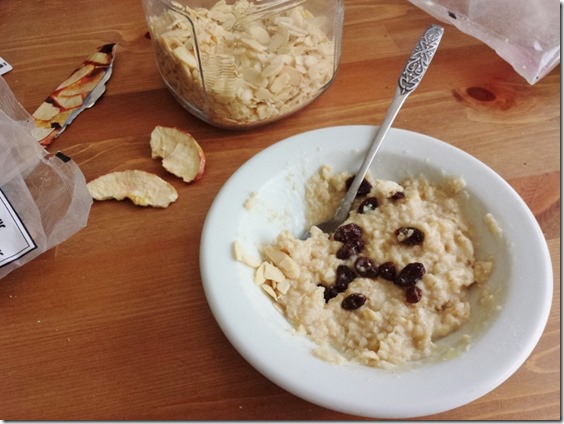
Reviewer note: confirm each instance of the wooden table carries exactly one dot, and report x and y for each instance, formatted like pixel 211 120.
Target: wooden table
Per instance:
pixel 113 323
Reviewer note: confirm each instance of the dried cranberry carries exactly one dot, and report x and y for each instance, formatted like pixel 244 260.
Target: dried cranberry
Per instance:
pixel 366 267
pixel 350 248
pixel 353 301
pixel 413 294
pixel 410 274
pixel 397 195
pixel 369 204
pixel 364 188
pixel 329 292
pixel 387 270
pixel 410 236
pixel 348 232
pixel 343 277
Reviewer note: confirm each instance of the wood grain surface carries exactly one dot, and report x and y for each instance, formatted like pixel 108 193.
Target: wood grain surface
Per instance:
pixel 113 323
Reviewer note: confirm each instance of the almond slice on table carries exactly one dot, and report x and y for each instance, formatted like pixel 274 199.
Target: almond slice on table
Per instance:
pixel 142 188
pixel 181 153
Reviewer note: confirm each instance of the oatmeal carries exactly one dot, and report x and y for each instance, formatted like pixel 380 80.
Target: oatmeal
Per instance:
pixel 390 282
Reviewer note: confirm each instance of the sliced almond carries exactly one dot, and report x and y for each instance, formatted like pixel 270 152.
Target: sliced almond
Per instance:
pixel 295 77
pixel 283 286
pixel 254 77
pixel 270 291
pixel 273 273
pixel 274 67
pixel 243 257
pixel 283 261
pixel 186 56
pixel 279 307
pixel 238 251
pixel 259 274
pixel 259 33
pixel 253 44
pixel 280 82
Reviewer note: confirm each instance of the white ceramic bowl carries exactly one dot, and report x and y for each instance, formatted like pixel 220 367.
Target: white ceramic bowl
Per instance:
pixel 275 178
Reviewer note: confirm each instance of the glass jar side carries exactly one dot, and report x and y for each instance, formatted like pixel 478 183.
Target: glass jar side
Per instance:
pixel 235 67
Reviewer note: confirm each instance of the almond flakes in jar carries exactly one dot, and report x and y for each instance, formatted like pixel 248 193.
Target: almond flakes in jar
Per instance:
pixel 243 63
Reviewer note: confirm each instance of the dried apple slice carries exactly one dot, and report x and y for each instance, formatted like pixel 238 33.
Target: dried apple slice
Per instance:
pixel 68 102
pixel 181 153
pixel 68 99
pixel 142 188
pixel 46 111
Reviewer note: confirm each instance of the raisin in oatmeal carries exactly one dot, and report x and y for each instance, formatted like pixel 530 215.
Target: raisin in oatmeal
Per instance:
pixel 389 283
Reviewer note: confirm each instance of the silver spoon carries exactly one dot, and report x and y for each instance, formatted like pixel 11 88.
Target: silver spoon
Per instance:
pixel 409 79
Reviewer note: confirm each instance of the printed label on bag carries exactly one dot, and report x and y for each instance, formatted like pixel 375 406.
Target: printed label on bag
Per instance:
pixel 15 240
pixel 5 67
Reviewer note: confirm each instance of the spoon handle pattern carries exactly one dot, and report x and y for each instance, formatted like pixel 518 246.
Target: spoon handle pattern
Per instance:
pixel 420 59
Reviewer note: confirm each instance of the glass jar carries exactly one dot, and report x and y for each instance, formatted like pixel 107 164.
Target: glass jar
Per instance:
pixel 242 63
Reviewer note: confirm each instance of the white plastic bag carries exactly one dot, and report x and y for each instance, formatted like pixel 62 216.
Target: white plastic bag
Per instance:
pixel 525 33
pixel 43 197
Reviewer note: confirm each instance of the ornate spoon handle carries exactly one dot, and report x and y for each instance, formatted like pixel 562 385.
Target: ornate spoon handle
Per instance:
pixel 409 79
pixel 420 59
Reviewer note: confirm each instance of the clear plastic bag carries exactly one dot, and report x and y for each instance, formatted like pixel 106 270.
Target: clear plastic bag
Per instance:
pixel 43 197
pixel 524 33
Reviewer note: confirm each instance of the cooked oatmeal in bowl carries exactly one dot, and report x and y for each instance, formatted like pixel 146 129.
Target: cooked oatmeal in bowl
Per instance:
pixel 471 308
pixel 392 279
